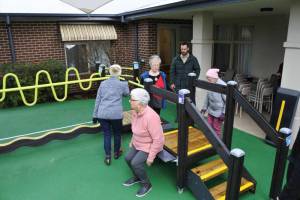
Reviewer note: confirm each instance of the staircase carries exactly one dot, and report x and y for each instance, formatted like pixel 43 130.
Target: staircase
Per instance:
pixel 198 176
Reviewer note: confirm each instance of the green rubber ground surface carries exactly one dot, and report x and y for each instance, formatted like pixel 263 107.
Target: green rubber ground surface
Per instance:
pixel 74 169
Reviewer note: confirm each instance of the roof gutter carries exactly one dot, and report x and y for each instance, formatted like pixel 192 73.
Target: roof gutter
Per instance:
pixel 58 17
pixel 179 6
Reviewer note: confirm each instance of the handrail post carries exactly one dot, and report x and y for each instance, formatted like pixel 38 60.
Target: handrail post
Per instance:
pixel 235 174
pixel 182 139
pixel 191 87
pixel 280 162
pixel 136 70
pixel 229 114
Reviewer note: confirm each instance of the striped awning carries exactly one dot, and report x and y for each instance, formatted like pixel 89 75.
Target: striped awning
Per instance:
pixel 83 32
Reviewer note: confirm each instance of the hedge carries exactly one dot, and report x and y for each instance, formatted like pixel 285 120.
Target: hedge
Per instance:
pixel 27 74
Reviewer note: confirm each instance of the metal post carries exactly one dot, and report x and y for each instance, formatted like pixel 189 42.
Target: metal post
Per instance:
pixel 182 140
pixel 280 162
pixel 192 88
pixel 10 39
pixel 229 114
pixel 136 50
pixel 235 174
pixel 147 83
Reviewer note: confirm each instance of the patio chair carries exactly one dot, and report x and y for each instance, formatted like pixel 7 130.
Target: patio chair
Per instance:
pixel 266 98
pixel 256 91
pixel 245 90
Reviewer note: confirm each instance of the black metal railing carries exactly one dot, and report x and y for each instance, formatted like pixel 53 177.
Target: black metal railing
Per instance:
pixel 188 112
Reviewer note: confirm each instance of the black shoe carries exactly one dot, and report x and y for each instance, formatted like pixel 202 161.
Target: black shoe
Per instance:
pixel 107 160
pixel 131 181
pixel 145 189
pixel 118 154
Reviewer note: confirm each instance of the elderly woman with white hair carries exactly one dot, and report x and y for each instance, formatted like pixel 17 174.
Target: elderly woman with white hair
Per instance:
pixel 159 80
pixel 109 110
pixel 147 140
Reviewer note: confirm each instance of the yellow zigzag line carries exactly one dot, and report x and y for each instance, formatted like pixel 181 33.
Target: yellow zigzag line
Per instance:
pixel 49 133
pixel 52 85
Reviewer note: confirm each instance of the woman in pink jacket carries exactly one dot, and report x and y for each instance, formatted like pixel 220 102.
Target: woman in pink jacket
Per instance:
pixel 147 140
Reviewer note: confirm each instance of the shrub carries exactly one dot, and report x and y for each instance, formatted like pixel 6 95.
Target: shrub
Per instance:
pixel 27 75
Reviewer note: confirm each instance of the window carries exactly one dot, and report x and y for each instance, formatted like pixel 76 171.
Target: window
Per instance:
pixel 76 56
pixel 84 56
pixel 233 47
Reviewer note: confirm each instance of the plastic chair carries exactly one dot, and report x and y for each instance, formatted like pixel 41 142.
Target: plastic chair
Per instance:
pixel 266 98
pixel 255 92
pixel 244 89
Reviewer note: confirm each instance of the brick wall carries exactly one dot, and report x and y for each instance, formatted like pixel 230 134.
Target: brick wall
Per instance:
pixel 5 56
pixel 147 40
pixel 123 48
pixel 34 42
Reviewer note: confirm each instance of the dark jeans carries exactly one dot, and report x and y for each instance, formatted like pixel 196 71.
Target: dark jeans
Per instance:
pixel 291 190
pixel 136 161
pixel 116 126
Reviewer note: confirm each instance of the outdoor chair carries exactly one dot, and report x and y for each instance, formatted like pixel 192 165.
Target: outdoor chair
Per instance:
pixel 266 98
pixel 244 89
pixel 255 92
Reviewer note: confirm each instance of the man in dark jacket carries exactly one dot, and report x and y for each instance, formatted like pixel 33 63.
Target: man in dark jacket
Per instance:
pixel 182 65
pixel 291 190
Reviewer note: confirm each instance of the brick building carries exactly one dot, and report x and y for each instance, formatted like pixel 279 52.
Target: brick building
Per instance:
pixel 36 41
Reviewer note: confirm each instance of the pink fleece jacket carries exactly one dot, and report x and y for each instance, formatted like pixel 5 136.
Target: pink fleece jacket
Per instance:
pixel 147 132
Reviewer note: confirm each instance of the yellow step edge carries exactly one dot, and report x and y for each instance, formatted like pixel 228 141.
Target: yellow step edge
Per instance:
pixel 242 188
pixel 199 149
pixel 170 132
pixel 214 173
pixel 174 131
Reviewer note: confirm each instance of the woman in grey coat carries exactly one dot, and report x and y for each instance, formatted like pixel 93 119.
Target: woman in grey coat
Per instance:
pixel 109 110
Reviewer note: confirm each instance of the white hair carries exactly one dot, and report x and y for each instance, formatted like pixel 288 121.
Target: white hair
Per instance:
pixel 115 70
pixel 140 95
pixel 154 58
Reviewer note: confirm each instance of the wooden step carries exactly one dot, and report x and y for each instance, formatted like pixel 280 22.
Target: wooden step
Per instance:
pixel 210 170
pixel 197 141
pixel 219 191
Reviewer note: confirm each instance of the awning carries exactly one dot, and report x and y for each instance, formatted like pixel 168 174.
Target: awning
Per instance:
pixel 83 32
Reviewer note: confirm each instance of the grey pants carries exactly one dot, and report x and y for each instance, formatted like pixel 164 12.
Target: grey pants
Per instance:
pixel 136 161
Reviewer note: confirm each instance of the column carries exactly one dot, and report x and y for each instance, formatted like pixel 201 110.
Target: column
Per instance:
pixel 291 67
pixel 202 48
